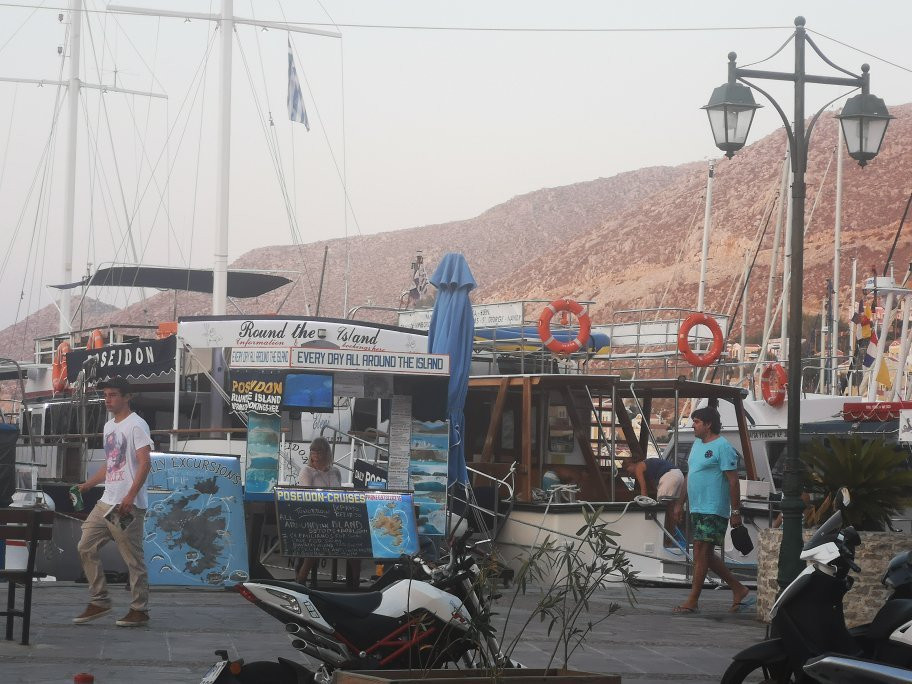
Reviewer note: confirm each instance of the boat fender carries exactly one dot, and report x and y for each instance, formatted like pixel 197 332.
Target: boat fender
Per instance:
pixel 59 367
pixel 544 326
pixel 96 340
pixel 773 383
pixel 715 350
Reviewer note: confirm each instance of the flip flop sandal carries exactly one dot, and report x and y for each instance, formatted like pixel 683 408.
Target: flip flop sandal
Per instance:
pixel 684 610
pixel 744 606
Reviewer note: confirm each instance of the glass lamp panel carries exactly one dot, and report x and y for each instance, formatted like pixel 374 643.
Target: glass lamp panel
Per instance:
pixel 872 133
pixel 717 121
pixel 851 130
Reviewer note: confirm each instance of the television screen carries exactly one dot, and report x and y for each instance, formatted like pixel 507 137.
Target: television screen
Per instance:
pixel 308 392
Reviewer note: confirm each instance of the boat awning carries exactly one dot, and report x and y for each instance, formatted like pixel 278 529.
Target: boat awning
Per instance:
pixel 241 284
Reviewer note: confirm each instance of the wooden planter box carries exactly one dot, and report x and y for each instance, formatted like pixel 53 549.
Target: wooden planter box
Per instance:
pixel 515 676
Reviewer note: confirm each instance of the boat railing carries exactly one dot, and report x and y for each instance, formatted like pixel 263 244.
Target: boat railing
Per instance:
pixel 481 514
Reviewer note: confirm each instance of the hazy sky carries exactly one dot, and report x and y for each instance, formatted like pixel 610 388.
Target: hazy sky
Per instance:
pixel 438 125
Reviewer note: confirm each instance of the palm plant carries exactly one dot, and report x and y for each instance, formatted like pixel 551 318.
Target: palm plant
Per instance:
pixel 877 476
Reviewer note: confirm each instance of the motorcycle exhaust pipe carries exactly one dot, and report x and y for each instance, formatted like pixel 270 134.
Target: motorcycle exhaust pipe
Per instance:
pixel 331 658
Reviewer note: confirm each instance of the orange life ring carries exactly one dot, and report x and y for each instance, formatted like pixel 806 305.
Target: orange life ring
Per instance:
pixel 59 367
pixel 96 340
pixel 544 326
pixel 773 383
pixel 715 349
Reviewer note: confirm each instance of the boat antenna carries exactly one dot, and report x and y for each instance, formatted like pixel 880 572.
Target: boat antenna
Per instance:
pixel 896 238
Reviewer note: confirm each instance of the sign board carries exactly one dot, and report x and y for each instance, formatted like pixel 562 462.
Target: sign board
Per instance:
pixel 367 475
pixel 429 472
pixel 262 472
pixel 400 434
pixel 257 391
pixel 905 427
pixel 136 360
pixel 341 523
pixel 334 360
pixel 203 332
pixel 485 315
pixel 194 532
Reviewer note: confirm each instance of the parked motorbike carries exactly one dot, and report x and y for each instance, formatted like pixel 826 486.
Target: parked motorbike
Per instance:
pixel 415 616
pixel 832 669
pixel 807 619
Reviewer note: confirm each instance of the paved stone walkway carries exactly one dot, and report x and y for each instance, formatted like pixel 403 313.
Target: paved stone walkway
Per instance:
pixel 643 643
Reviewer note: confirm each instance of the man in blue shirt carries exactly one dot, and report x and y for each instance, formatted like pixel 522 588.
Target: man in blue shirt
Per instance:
pixel 713 493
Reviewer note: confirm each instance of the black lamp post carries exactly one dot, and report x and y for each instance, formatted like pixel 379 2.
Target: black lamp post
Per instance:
pixel 864 120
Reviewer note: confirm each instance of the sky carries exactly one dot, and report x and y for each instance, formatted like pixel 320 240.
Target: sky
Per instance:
pixel 425 120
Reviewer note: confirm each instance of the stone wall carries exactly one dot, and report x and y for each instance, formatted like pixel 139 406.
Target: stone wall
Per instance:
pixel 866 596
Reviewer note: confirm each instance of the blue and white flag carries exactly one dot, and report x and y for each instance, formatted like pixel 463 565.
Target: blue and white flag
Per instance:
pixel 296 111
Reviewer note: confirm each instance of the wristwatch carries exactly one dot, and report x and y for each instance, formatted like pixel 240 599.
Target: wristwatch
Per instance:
pixel 735 511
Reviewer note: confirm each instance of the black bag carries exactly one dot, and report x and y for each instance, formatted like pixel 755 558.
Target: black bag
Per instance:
pixel 741 540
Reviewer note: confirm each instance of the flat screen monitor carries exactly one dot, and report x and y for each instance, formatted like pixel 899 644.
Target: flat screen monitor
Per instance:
pixel 311 392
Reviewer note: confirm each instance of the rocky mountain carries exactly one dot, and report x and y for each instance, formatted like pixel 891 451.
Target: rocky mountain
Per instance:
pixel 632 240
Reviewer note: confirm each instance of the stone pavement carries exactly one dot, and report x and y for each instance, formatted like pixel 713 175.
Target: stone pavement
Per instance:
pixel 643 643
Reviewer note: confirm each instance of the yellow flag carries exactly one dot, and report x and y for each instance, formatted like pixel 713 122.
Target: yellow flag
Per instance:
pixel 883 375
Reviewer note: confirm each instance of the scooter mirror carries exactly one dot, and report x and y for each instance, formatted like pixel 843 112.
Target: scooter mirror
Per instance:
pixel 843 498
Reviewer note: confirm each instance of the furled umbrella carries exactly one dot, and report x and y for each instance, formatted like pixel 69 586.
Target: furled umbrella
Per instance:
pixel 451 332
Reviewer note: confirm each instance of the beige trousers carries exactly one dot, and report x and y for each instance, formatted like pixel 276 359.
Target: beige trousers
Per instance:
pixel 96 532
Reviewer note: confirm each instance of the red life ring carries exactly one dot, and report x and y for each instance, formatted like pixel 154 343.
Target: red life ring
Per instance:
pixel 773 383
pixel 96 340
pixel 544 326
pixel 715 349
pixel 59 367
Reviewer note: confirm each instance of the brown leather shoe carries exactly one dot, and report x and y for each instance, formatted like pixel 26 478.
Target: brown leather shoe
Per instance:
pixel 135 618
pixel 92 612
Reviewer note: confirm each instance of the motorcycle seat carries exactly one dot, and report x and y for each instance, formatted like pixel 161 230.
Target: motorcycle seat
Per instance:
pixel 357 604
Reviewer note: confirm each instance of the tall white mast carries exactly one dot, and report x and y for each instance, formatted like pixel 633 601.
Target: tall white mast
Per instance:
pixel 707 222
pixel 786 278
pixel 69 197
pixel 223 163
pixel 837 255
pixel 744 300
pixel 774 257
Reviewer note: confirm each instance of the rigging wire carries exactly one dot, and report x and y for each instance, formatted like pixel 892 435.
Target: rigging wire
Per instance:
pixel 864 52
pixel 22 25
pixel 277 164
pixel 677 261
pixel 9 132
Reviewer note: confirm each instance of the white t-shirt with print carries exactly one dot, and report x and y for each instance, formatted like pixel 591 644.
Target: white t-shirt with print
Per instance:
pixel 121 440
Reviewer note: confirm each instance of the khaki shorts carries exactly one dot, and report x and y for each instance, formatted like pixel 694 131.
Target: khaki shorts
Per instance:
pixel 671 485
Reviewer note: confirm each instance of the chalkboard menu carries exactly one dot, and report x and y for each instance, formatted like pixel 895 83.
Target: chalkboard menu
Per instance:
pixel 342 523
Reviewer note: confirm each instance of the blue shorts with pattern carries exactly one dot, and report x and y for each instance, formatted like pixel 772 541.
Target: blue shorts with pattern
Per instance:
pixel 709 528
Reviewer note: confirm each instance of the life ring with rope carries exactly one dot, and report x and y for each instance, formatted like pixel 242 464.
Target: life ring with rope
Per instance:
pixel 59 367
pixel 773 384
pixel 715 349
pixel 96 340
pixel 544 326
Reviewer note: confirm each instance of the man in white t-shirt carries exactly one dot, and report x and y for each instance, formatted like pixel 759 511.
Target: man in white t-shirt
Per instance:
pixel 120 512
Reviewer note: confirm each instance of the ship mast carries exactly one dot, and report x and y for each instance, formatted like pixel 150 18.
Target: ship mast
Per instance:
pixel 73 85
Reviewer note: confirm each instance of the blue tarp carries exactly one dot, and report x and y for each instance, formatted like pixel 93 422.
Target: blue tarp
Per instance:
pixel 452 332
pixel 527 336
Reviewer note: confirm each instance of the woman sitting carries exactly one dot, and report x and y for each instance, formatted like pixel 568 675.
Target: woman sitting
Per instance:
pixel 319 471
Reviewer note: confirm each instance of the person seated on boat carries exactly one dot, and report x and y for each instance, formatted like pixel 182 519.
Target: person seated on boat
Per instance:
pixel 656 477
pixel 319 471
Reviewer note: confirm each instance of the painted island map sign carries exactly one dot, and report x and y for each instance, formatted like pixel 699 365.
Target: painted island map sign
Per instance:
pixel 194 527
pixel 341 523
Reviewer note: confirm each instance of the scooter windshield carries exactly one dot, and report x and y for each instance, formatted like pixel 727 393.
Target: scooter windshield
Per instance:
pixel 826 531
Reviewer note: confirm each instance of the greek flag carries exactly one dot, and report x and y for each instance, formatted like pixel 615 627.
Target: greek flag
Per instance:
pixel 296 111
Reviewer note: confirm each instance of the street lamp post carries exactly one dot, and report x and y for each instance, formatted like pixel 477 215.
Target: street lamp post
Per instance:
pixel 864 120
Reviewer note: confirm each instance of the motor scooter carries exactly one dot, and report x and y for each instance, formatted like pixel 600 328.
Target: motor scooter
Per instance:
pixel 832 669
pixel 807 619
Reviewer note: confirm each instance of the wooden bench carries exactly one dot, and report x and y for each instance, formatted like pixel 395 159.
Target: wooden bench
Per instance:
pixel 30 525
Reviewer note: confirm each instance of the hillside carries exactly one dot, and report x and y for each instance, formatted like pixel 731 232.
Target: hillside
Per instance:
pixel 627 241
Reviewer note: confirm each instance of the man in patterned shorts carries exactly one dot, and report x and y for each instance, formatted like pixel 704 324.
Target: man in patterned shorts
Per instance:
pixel 713 494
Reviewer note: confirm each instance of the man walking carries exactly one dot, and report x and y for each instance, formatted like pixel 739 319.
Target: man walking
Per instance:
pixel 714 494
pixel 120 512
